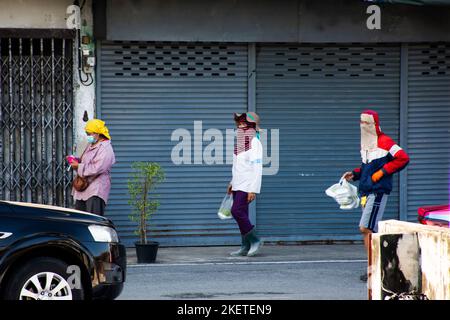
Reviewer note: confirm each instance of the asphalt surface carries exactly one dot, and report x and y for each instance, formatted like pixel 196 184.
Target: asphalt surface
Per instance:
pixel 303 272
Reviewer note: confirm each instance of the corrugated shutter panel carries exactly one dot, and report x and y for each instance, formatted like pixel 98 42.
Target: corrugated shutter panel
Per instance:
pixel 147 91
pixel 314 95
pixel 428 126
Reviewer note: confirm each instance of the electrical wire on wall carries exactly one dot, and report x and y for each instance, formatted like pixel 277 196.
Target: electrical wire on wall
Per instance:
pixel 87 79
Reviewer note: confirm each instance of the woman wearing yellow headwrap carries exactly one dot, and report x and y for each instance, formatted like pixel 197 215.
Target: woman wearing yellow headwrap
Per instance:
pixel 95 167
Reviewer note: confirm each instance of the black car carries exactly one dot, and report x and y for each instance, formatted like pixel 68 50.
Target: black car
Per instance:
pixel 53 253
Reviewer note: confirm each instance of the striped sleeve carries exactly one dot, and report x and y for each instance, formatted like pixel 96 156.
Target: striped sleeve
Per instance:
pixel 400 158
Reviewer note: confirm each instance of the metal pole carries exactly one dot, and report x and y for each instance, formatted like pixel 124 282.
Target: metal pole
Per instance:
pixel 43 155
pixel 251 105
pixel 74 81
pixel 53 125
pixel 11 124
pixel 404 129
pixel 22 179
pixel 63 114
pixel 33 128
pixel 251 81
pixel 98 76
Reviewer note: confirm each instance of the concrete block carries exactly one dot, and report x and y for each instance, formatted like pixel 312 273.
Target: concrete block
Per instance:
pixel 410 256
pixel 395 265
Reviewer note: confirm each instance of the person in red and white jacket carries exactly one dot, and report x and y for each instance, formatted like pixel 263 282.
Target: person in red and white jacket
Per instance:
pixel 381 158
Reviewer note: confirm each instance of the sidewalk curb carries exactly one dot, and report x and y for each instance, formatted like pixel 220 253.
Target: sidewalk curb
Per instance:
pixel 270 254
pixel 138 265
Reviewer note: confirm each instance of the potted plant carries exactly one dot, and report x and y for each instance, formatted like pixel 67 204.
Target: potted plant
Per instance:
pixel 144 179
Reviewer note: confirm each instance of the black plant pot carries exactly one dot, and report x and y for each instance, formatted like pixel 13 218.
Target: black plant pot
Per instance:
pixel 146 253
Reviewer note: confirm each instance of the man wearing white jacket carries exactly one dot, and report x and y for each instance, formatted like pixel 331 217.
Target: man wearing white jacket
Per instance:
pixel 246 181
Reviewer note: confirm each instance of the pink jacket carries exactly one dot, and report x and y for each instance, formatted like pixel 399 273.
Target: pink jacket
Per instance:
pixel 96 163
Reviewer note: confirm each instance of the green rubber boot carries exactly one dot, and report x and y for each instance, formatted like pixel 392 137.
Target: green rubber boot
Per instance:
pixel 255 243
pixel 245 246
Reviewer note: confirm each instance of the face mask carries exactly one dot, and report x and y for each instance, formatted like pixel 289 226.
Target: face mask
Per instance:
pixel 369 138
pixel 244 137
pixel 91 139
pixel 368 128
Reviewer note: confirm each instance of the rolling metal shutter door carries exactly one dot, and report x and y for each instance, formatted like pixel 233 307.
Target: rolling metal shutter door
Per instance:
pixel 314 95
pixel 147 91
pixel 428 126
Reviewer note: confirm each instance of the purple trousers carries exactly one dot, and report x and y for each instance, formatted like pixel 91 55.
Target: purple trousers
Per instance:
pixel 239 210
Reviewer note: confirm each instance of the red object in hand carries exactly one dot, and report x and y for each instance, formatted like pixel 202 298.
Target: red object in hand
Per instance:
pixel 377 176
pixel 71 158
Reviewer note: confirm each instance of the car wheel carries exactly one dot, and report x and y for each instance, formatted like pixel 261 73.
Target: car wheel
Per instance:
pixel 43 279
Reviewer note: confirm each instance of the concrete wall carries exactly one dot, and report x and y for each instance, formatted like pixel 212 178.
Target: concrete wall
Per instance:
pixel 272 21
pixel 51 14
pixel 33 13
pixel 84 95
pixel 433 245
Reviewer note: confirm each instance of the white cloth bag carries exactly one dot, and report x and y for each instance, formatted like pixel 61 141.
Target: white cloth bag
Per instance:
pixel 345 194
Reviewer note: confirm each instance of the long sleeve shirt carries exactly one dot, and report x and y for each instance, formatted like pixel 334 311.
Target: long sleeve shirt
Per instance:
pixel 96 163
pixel 247 169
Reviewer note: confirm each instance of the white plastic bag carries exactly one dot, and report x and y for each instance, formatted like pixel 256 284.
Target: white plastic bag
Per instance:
pixel 345 194
pixel 225 208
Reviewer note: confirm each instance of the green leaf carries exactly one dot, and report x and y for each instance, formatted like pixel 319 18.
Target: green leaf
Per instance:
pixel 144 178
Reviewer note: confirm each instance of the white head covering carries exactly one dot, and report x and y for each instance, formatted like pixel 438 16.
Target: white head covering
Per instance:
pixel 370 130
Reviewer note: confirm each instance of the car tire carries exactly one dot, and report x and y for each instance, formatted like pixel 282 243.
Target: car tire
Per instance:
pixel 43 278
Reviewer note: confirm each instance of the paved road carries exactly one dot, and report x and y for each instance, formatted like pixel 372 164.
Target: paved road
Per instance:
pixel 315 280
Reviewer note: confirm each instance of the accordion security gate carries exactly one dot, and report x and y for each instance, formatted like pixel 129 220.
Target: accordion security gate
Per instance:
pixel 36 119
